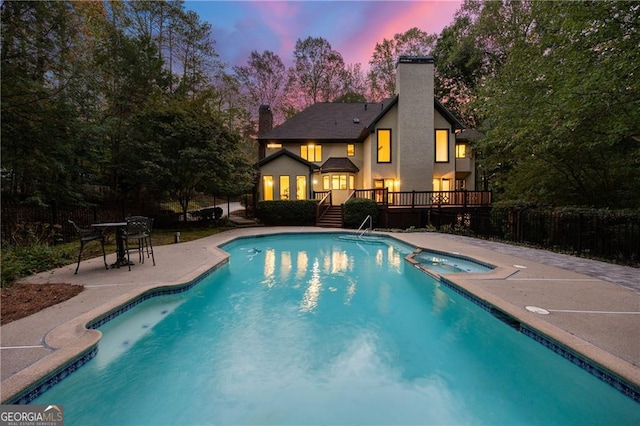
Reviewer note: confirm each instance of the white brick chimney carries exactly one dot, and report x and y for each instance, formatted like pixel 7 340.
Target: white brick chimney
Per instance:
pixel 416 134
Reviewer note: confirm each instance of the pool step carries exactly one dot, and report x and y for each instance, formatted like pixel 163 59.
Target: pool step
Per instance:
pixel 332 218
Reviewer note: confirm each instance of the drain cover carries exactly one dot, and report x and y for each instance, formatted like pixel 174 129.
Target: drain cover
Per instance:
pixel 537 310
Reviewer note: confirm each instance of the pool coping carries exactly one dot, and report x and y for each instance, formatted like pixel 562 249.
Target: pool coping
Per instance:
pixel 600 363
pixel 75 342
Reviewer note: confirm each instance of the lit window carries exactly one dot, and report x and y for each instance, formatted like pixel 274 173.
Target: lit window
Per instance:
pixel 352 182
pixel 442 184
pixel 274 145
pixel 326 183
pixel 461 150
pixel 335 182
pixel 267 185
pixel 284 187
pixel 384 145
pixel 301 187
pixel 442 146
pixel 311 152
pixel 351 149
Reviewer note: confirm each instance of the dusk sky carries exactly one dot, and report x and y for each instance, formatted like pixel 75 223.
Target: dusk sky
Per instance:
pixel 352 27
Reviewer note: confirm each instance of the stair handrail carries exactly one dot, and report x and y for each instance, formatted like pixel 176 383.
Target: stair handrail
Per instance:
pixel 362 232
pixel 352 195
pixel 323 205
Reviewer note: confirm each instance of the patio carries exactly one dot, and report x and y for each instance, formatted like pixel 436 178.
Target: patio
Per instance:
pixel 594 307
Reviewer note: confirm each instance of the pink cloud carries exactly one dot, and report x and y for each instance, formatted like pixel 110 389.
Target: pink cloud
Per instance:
pixel 280 18
pixel 385 19
pixel 352 27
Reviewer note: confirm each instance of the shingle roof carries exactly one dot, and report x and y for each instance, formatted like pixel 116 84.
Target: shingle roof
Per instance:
pixel 328 121
pixel 288 154
pixel 469 135
pixel 340 122
pixel 339 164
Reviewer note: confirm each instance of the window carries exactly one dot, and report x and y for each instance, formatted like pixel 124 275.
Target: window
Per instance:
pixel 442 184
pixel 267 187
pixel 342 181
pixel 461 150
pixel 442 146
pixel 384 145
pixel 379 185
pixel 311 152
pixel 284 187
pixel 326 183
pixel 351 149
pixel 335 182
pixel 274 145
pixel 301 187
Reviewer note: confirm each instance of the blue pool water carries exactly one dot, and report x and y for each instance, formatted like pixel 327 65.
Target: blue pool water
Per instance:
pixel 301 329
pixel 448 264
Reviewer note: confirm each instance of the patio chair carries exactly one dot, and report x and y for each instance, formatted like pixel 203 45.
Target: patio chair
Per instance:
pixel 85 236
pixel 138 231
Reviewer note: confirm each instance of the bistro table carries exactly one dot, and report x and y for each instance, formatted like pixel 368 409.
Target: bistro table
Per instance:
pixel 119 227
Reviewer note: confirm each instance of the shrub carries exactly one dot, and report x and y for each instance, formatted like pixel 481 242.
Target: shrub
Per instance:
pixel 19 262
pixel 357 209
pixel 209 213
pixel 287 212
pixel 166 219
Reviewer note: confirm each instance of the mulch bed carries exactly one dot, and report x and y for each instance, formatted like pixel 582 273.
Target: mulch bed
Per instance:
pixel 21 300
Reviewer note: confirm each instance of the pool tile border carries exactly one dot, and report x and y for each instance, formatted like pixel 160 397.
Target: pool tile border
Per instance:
pixel 40 386
pixel 620 384
pixel 46 383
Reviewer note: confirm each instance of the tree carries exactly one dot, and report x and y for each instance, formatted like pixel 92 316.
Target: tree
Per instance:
pixel 316 75
pixel 194 50
pixel 39 65
pixel 382 66
pixel 459 68
pixel 263 79
pixel 562 114
pixel 354 87
pixel 180 148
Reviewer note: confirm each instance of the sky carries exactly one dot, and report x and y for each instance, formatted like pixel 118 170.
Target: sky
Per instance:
pixel 352 27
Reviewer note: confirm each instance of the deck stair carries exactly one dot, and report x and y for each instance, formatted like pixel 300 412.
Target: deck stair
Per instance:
pixel 332 218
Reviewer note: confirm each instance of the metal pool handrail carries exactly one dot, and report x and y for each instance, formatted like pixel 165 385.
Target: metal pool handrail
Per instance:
pixel 360 231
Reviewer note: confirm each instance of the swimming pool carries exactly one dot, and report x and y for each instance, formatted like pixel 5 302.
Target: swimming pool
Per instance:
pixel 313 329
pixel 444 263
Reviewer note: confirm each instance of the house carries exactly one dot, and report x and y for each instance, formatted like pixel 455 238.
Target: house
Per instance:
pixel 406 151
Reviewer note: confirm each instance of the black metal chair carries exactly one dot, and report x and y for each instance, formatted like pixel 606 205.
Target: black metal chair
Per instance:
pixel 138 230
pixel 88 235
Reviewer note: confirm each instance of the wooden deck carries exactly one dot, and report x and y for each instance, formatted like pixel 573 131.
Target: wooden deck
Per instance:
pixel 426 199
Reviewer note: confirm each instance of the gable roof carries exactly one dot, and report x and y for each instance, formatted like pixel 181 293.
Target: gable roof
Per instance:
pixel 289 154
pixel 451 119
pixel 340 122
pixel 328 121
pixel 339 164
pixel 455 123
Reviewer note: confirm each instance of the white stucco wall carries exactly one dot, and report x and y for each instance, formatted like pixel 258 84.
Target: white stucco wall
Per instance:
pixel 284 166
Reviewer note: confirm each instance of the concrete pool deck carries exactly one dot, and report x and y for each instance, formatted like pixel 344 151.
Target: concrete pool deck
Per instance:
pixel 594 307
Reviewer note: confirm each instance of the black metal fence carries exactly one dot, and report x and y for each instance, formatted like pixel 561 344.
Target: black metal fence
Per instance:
pixel 27 222
pixel 612 237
